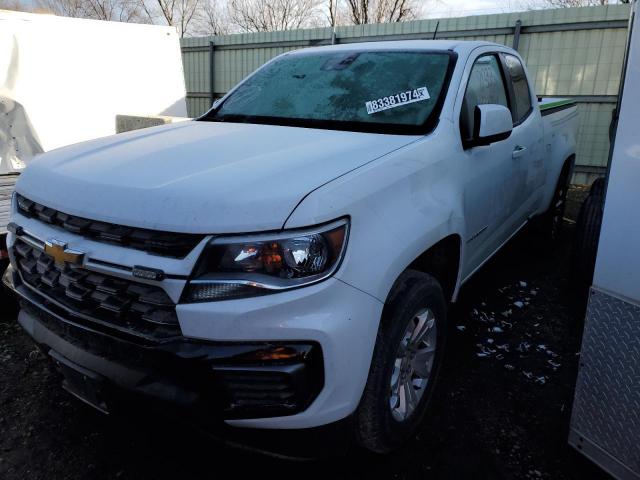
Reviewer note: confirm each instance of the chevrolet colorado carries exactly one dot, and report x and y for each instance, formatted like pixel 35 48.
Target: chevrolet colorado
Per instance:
pixel 285 261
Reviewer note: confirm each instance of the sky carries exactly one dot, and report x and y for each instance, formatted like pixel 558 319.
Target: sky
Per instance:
pixel 454 8
pixel 447 8
pixel 457 8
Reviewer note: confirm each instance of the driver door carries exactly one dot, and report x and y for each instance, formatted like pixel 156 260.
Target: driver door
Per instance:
pixel 489 191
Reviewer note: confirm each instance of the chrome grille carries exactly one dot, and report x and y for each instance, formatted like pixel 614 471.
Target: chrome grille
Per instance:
pixel 177 245
pixel 132 307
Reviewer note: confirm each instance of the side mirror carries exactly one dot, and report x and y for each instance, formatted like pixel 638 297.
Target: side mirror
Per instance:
pixel 492 123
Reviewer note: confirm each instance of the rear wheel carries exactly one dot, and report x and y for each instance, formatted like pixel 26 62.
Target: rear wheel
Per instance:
pixel 587 234
pixel 405 363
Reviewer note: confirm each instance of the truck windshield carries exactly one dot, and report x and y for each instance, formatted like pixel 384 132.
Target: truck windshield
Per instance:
pixel 397 92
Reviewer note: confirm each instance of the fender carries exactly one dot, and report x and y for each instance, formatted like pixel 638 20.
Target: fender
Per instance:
pixel 400 205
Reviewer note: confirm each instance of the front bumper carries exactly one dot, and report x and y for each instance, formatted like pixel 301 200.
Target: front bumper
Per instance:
pixel 213 380
pixel 322 328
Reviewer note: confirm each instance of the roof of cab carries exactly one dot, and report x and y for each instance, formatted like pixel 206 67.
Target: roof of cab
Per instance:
pixel 459 46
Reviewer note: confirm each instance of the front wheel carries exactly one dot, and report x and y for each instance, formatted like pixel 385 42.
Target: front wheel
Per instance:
pixel 406 360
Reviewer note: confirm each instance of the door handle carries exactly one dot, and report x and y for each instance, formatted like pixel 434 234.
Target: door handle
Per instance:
pixel 518 151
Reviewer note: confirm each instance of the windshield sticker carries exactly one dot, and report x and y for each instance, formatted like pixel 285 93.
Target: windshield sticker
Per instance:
pixel 397 100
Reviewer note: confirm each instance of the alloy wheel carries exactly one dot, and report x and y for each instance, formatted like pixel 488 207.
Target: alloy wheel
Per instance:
pixel 413 364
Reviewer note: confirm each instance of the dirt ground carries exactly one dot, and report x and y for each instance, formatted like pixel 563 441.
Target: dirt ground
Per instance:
pixel 501 411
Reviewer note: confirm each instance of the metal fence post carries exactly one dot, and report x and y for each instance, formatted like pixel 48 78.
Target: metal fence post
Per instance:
pixel 212 89
pixel 516 34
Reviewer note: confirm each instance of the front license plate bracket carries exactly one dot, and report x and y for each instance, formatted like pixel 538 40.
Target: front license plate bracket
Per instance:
pixel 83 384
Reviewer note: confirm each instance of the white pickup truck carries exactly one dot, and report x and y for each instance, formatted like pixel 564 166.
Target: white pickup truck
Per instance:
pixel 285 262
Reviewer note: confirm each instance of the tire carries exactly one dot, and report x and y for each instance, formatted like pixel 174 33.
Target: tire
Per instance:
pixel 416 297
pixel 550 222
pixel 585 248
pixel 597 187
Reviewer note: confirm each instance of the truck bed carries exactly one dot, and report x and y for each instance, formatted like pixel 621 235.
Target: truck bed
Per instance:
pixel 7 184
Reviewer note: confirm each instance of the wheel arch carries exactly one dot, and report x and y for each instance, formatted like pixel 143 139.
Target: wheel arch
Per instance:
pixel 555 173
pixel 442 261
pixel 569 165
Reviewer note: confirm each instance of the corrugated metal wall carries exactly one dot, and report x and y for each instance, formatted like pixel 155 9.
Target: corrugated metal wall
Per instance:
pixel 576 52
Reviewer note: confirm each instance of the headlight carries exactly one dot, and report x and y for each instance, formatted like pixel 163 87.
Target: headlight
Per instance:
pixel 244 266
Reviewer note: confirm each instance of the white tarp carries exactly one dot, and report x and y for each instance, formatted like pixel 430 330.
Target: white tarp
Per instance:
pixel 64 80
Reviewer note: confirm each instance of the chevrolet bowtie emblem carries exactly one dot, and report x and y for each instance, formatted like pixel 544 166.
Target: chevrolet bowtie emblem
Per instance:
pixel 61 254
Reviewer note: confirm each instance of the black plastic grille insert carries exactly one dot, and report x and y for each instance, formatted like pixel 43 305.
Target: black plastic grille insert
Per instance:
pixel 168 244
pixel 129 307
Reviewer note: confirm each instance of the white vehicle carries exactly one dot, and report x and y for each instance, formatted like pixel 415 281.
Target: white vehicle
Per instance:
pixel 286 260
pixel 605 418
pixel 56 90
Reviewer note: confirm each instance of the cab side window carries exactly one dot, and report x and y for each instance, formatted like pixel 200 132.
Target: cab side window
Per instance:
pixel 485 85
pixel 521 93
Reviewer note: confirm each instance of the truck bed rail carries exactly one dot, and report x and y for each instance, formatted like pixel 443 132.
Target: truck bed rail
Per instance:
pixel 552 105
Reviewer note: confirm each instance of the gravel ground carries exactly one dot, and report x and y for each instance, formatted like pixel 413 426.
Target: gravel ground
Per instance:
pixel 501 412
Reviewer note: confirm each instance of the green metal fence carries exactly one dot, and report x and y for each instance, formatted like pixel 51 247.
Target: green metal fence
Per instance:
pixel 570 52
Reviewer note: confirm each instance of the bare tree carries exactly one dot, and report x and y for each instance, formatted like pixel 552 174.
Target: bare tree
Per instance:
pixel 181 14
pixel 13 5
pixel 175 13
pixel 212 18
pixel 264 16
pixel 333 13
pixel 111 10
pixel 64 8
pixel 534 4
pixel 382 11
pixel 187 11
pixel 573 3
pixel 114 10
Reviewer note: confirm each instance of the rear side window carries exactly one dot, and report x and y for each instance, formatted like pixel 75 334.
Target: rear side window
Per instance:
pixel 485 86
pixel 520 88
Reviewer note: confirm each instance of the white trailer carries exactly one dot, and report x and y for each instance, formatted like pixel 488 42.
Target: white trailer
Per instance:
pixel 605 422
pixel 64 80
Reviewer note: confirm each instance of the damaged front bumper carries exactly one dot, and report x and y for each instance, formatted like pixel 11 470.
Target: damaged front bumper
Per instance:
pixel 209 380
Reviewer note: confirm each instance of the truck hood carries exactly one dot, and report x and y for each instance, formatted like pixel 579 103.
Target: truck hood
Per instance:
pixel 198 177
